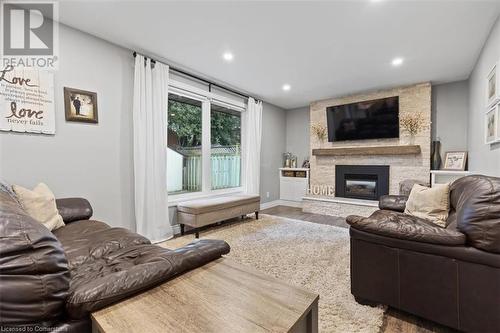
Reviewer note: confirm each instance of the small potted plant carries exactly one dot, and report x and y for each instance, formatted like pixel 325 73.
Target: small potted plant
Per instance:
pixel 413 123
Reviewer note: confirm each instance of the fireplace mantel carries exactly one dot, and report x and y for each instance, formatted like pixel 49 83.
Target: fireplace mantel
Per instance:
pixel 368 150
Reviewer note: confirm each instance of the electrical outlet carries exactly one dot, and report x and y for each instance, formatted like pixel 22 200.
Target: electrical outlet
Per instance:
pixel 267 194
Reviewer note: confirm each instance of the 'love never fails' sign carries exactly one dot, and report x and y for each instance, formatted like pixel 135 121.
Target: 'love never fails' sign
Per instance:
pixel 27 101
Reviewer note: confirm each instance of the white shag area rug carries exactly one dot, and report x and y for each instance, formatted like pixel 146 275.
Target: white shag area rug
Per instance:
pixel 310 255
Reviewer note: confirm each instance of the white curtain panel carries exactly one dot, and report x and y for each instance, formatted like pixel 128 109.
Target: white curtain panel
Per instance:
pixel 253 135
pixel 150 151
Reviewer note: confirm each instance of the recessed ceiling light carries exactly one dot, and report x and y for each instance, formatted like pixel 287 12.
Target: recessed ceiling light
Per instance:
pixel 397 61
pixel 228 56
pixel 286 87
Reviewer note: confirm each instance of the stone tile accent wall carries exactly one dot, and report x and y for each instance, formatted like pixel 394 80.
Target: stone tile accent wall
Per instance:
pixel 336 208
pixel 416 98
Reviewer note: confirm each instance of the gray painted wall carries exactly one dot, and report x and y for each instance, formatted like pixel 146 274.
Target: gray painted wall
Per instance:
pixel 96 161
pixel 450 109
pixel 297 133
pixel 84 160
pixel 273 146
pixel 483 158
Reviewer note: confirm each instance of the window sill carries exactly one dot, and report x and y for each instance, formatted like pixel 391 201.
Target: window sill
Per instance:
pixel 173 200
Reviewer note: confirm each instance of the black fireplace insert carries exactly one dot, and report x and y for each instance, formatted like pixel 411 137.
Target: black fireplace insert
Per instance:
pixel 367 182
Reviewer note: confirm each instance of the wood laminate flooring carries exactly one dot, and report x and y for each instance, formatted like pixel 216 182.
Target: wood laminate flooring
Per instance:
pixel 226 297
pixel 395 321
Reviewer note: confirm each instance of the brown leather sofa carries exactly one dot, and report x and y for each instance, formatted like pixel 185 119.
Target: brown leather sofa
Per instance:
pixel 448 275
pixel 53 281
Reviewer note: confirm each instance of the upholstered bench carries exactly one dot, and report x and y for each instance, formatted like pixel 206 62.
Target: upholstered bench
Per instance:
pixel 202 212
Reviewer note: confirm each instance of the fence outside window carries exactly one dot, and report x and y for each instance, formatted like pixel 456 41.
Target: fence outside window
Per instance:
pixel 184 173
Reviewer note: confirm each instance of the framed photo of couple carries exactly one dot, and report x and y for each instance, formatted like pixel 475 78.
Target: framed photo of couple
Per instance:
pixel 80 105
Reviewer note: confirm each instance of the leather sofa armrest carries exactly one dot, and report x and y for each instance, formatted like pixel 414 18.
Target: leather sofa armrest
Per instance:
pixel 393 202
pixel 74 209
pixel 406 227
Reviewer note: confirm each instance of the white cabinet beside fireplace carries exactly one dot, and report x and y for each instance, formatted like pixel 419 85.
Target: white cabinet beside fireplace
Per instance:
pixel 293 183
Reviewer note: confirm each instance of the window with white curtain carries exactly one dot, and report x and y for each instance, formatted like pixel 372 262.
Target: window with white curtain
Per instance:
pixel 204 151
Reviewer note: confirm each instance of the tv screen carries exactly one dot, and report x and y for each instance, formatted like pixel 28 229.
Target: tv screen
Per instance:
pixel 376 119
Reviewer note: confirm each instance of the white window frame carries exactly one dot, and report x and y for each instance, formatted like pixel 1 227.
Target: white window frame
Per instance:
pixel 206 98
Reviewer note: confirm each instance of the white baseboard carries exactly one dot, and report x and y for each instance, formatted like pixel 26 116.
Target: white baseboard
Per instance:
pixel 269 204
pixel 275 203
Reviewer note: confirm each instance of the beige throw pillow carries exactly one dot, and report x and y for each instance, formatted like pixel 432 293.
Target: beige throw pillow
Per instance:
pixel 431 204
pixel 40 204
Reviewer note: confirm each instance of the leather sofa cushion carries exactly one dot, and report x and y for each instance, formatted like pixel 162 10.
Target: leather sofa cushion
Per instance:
pixel 407 227
pixel 109 264
pixel 74 209
pixel 109 277
pixel 34 275
pixel 393 202
pixel 213 204
pixel 475 206
pixel 83 240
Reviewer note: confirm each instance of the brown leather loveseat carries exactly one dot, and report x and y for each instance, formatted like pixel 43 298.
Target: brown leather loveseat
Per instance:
pixel 53 281
pixel 449 275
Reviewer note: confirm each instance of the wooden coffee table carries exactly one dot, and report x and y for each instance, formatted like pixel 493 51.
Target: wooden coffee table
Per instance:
pixel 222 296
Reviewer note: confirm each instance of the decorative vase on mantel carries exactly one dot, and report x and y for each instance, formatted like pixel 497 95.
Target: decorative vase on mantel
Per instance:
pixel 436 155
pixel 411 140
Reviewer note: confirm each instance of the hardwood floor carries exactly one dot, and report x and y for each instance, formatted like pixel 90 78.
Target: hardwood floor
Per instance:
pixel 297 214
pixel 395 321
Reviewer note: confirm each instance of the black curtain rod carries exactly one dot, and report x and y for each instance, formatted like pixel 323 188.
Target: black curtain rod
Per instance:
pixel 210 83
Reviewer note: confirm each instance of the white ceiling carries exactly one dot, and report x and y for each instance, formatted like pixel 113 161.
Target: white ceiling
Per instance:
pixel 322 49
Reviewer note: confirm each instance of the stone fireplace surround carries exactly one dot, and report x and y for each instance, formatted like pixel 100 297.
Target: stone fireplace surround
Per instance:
pixel 403 165
pixel 365 182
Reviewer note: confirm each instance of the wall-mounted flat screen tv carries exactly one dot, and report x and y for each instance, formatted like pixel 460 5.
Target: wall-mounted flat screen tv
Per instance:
pixel 375 119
